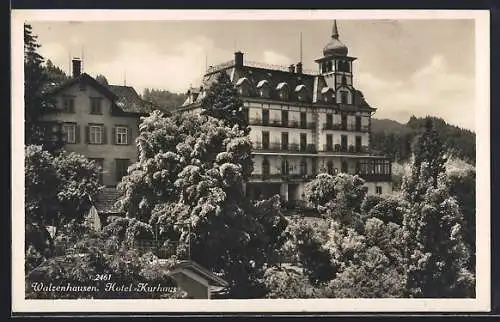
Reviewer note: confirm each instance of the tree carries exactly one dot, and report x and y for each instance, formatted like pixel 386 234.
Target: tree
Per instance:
pixel 58 190
pixel 102 79
pixel 95 254
pixel 54 75
pixel 436 255
pixel 188 185
pixel 163 99
pixel 222 101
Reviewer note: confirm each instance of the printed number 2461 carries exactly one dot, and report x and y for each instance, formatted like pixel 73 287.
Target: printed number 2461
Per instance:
pixel 102 277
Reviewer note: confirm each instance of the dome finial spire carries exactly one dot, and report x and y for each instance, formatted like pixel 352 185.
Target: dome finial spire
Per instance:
pixel 335 31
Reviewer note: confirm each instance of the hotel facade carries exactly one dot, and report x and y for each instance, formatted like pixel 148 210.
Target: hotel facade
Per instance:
pixel 302 122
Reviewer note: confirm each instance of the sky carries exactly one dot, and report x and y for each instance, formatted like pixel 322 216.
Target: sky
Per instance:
pixel 403 67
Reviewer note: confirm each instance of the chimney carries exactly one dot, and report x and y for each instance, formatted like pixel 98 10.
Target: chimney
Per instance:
pixel 238 59
pixel 299 68
pixel 77 67
pixel 291 68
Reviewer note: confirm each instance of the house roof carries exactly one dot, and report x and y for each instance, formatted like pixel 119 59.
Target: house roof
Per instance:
pixel 124 97
pixel 200 270
pixel 129 101
pixel 106 200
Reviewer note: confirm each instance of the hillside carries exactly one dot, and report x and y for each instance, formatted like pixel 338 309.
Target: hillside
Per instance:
pixel 396 139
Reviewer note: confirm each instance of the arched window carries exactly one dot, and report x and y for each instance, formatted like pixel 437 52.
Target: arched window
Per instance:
pixel 301 92
pixel 264 89
pixel 283 90
pixel 265 167
pixel 243 86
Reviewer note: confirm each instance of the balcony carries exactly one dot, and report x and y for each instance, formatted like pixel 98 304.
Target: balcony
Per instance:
pixel 278 147
pixel 373 177
pixel 281 177
pixel 346 127
pixel 351 149
pixel 287 124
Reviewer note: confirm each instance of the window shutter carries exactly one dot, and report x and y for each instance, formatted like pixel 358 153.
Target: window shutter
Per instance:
pixel 77 134
pixel 104 135
pixel 113 135
pixel 87 134
pixel 129 135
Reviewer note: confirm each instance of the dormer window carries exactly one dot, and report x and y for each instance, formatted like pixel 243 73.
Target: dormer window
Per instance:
pixel 301 92
pixel 327 94
pixel 264 89
pixel 283 90
pixel 243 85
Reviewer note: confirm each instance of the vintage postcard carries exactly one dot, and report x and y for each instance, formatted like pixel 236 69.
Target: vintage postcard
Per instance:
pixel 250 161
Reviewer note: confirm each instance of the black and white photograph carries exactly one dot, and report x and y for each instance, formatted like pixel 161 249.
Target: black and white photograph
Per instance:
pixel 293 161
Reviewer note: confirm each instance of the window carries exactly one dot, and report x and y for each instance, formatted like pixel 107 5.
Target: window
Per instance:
pixel 303 141
pixel 343 143
pixel 265 167
pixel 121 135
pixel 69 133
pixel 284 118
pixel 284 167
pixel 284 141
pixel 329 66
pixel 303 120
pixel 344 80
pixel 100 164
pixel 265 140
pixel 265 91
pixel 265 117
pixel 343 97
pixel 69 104
pixel 329 167
pixel 96 134
pixel 378 190
pixel 344 122
pixel 121 168
pixel 358 123
pixel 344 167
pixel 358 144
pixel 303 167
pixel 329 142
pixel 329 121
pixel 95 105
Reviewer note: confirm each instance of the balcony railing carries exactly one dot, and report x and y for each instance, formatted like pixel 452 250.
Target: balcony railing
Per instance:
pixel 282 176
pixel 277 123
pixel 345 149
pixel 346 127
pixel 291 147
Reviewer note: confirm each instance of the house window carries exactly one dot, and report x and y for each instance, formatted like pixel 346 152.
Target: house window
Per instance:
pixel 378 190
pixel 121 135
pixel 100 164
pixel 329 142
pixel 69 104
pixel 69 132
pixel 303 141
pixel 95 105
pixel 265 167
pixel 121 168
pixel 329 121
pixel 96 134
pixel 285 168
pixel 303 167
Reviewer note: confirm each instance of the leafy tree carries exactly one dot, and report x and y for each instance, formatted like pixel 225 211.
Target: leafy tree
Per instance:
pixel 188 185
pixel 164 99
pixel 288 282
pixel 58 189
pixel 222 101
pixel 95 254
pixel 102 79
pixel 436 255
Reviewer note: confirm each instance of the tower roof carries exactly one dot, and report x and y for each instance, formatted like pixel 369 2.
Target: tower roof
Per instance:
pixel 335 47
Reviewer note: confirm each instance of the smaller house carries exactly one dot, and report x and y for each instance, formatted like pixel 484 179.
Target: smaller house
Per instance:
pixel 196 280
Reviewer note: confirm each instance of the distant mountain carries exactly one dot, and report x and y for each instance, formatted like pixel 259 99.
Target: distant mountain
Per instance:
pixel 163 99
pixel 395 139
